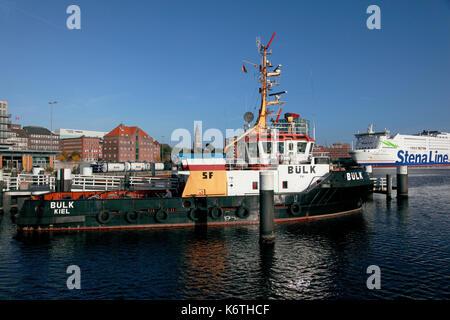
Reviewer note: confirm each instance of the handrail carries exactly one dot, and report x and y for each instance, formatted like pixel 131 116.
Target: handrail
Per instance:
pixel 88 183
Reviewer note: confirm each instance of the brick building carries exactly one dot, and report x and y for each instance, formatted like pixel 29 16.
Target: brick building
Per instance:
pixel 89 148
pixel 42 139
pixel 130 144
pixel 18 138
pixel 334 152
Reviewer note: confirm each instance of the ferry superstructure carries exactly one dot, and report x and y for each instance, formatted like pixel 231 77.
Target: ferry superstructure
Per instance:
pixel 380 149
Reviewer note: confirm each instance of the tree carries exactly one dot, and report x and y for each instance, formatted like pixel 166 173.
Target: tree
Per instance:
pixel 166 151
pixel 75 156
pixel 63 156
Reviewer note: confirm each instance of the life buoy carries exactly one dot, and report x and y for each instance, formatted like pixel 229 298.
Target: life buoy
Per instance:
pixel 243 212
pixel 132 216
pixel 161 215
pixel 295 209
pixel 193 214
pixel 104 217
pixel 215 212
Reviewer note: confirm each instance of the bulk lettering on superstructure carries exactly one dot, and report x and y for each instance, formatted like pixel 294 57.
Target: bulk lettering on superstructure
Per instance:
pixel 301 169
pixel 430 158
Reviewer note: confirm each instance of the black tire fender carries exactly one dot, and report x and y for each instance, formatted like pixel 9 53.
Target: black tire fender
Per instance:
pixel 295 209
pixel 104 217
pixel 215 212
pixel 243 212
pixel 193 214
pixel 161 215
pixel 132 216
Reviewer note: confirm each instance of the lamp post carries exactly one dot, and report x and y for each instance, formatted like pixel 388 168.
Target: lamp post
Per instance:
pixel 51 103
pixel 161 148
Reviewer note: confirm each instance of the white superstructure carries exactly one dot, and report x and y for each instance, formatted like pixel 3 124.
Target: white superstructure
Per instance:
pixel 288 178
pixel 380 149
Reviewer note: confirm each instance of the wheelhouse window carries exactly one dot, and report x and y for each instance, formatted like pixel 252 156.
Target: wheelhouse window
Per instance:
pixel 301 147
pixel 253 149
pixel 281 146
pixel 267 147
pixel 291 146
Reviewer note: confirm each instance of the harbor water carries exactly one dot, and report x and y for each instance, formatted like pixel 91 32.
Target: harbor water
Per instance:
pixel 326 259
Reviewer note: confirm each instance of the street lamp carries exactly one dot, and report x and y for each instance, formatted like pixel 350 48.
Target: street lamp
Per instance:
pixel 51 103
pixel 161 148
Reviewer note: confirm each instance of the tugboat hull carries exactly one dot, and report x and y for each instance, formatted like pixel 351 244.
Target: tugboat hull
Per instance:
pixel 333 196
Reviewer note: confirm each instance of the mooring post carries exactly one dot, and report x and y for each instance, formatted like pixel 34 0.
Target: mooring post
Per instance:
pixel 67 180
pixel 402 181
pixel 58 180
pixel 388 187
pixel 266 207
pixel 152 167
pixel 369 170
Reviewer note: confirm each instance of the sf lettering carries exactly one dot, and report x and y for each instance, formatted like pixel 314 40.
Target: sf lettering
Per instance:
pixel 74 280
pixel 207 175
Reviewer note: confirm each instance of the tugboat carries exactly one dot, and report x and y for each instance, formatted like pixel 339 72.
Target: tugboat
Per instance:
pixel 218 190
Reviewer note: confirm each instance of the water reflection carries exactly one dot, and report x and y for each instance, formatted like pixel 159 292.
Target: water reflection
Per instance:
pixel 407 238
pixel 267 261
pixel 204 263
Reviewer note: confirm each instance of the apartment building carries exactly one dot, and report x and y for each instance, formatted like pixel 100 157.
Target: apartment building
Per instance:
pixel 130 144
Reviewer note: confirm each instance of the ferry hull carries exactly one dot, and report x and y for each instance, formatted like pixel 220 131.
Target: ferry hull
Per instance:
pixel 335 195
pixel 425 150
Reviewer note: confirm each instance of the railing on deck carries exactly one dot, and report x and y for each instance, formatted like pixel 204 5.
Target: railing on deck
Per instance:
pixel 30 182
pixel 23 181
pixel 380 184
pixel 100 182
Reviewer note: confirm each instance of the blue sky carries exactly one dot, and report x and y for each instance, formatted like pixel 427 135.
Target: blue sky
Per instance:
pixel 161 65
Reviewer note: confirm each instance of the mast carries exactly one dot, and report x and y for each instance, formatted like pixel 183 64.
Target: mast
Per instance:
pixel 266 84
pixel 261 122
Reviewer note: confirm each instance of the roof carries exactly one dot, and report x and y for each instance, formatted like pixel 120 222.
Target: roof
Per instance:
pixel 122 130
pixel 70 139
pixel 37 130
pixel 19 132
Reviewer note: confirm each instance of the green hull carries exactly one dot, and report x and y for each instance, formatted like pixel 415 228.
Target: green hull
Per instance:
pixel 334 195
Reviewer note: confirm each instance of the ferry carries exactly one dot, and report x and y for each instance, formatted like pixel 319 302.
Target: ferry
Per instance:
pixel 221 188
pixel 380 149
